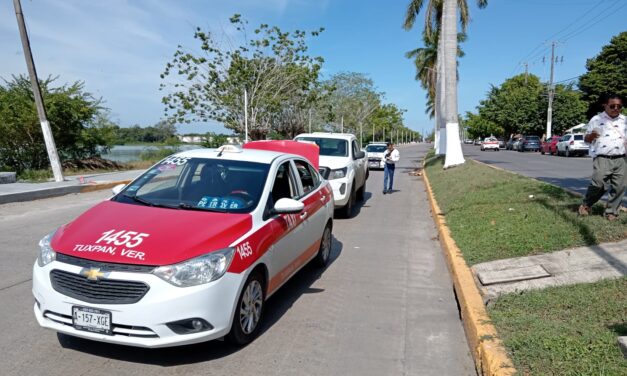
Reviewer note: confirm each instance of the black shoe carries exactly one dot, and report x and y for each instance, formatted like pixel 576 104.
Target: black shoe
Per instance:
pixel 385 191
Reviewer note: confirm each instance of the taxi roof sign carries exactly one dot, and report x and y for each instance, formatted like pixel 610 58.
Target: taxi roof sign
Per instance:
pixel 229 149
pixel 309 151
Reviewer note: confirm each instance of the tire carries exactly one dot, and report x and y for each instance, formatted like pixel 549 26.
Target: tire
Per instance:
pixel 361 193
pixel 324 252
pixel 567 153
pixel 347 210
pixel 251 300
pixel 542 151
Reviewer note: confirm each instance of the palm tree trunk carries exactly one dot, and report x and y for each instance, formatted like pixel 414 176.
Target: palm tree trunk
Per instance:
pixel 454 155
pixel 440 130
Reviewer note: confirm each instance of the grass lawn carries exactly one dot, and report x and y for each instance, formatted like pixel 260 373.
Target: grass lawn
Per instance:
pixel 494 214
pixel 568 330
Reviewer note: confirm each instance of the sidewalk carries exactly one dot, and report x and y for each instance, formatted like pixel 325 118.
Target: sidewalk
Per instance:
pixel 16 192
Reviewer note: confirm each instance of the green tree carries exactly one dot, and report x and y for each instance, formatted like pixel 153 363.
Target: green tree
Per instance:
pixel 78 124
pixel 607 73
pixel 383 120
pixel 479 127
pixel 353 98
pixel 273 69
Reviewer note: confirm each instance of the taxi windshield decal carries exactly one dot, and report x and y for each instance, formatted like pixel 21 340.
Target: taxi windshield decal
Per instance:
pixel 221 203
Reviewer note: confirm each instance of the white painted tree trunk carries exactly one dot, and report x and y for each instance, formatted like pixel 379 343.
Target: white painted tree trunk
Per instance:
pixel 454 155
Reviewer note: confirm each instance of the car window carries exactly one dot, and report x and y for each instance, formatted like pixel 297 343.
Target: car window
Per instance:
pixel 199 184
pixel 283 186
pixel 332 147
pixel 579 137
pixel 355 148
pixel 307 175
pixel 376 148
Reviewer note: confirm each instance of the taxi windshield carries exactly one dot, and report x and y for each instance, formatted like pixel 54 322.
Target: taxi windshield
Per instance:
pixel 220 185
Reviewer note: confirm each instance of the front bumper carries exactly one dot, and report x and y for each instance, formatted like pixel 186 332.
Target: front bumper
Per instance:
pixel 376 163
pixel 143 323
pixel 341 191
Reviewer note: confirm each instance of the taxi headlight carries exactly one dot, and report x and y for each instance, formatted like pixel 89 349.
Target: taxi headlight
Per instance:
pixel 46 253
pixel 196 271
pixel 338 174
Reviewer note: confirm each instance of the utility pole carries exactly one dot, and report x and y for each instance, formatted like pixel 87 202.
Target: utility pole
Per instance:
pixel 310 120
pixel 342 128
pixel 372 132
pixel 549 114
pixel 51 148
pixel 245 116
pixel 526 72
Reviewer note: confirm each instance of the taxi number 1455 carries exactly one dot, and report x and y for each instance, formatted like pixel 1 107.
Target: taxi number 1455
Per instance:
pixel 130 239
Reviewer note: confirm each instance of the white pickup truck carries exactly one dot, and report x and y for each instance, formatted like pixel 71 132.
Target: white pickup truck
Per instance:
pixel 344 164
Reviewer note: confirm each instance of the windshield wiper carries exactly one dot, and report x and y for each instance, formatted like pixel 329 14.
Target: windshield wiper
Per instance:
pixel 185 206
pixel 146 202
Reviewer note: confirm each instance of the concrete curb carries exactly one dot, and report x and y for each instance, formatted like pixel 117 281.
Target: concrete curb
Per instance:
pixel 487 349
pixel 57 191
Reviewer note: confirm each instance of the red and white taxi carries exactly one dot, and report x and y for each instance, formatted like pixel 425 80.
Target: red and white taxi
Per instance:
pixel 190 250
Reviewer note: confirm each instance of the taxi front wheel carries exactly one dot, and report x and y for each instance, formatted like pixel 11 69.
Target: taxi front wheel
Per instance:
pixel 248 312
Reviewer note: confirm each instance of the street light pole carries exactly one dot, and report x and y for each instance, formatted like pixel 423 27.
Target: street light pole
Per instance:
pixel 245 116
pixel 51 148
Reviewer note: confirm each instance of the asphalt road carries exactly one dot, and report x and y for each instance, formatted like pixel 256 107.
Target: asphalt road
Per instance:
pixel 572 173
pixel 384 306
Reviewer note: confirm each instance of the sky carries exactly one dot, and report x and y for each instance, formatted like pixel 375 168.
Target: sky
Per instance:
pixel 118 48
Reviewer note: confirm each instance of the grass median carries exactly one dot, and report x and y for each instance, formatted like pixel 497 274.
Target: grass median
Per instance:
pixel 493 214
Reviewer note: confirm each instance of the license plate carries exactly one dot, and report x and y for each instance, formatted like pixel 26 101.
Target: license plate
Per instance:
pixel 375 164
pixel 91 320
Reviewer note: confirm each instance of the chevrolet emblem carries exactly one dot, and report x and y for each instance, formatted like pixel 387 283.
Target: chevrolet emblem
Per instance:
pixel 93 274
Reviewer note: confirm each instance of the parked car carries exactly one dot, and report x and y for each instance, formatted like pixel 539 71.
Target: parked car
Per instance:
pixel 549 146
pixel 187 252
pixel 468 141
pixel 490 143
pixel 572 145
pixel 478 142
pixel 529 143
pixel 374 153
pixel 501 142
pixel 344 165
pixel 509 145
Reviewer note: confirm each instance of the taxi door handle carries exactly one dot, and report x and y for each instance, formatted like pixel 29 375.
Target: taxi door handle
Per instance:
pixel 303 215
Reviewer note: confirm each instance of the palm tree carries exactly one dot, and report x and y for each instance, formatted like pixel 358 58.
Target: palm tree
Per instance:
pixel 426 60
pixel 441 15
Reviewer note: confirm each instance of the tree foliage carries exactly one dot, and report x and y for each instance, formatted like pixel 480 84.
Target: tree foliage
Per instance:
pixel 162 132
pixel 519 105
pixel 280 79
pixel 607 73
pixel 78 122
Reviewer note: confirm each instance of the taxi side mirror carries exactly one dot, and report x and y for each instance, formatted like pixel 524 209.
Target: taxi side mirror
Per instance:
pixel 288 206
pixel 117 189
pixel 360 154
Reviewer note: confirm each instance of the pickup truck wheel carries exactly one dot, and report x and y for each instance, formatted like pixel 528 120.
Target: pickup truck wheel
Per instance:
pixel 361 193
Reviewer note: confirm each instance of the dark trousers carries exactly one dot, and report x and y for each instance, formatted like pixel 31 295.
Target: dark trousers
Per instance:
pixel 388 173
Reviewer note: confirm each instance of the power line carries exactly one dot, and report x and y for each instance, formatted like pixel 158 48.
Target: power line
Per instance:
pixel 599 18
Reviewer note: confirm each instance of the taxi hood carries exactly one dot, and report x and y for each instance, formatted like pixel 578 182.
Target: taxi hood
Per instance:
pixel 133 234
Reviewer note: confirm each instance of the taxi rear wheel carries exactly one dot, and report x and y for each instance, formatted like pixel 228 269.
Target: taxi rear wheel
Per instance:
pixel 324 253
pixel 248 312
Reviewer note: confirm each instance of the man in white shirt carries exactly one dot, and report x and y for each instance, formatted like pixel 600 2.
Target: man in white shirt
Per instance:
pixel 391 156
pixel 606 134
